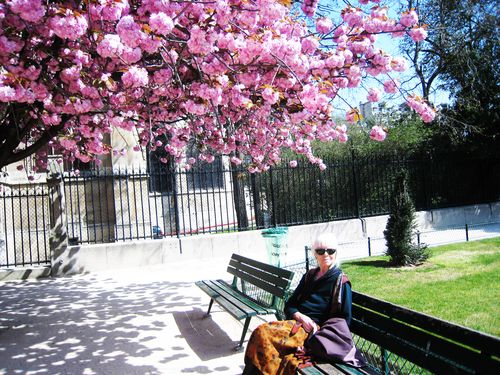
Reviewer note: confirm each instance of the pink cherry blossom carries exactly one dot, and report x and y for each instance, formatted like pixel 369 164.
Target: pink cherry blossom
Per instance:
pixel 399 64
pixel 199 43
pixel 324 25
pixel 293 163
pixel 135 77
pixel 391 86
pixel 377 133
pixel 28 10
pixel 129 31
pixel 7 94
pixel 270 95
pixel 373 95
pixel 352 16
pixel 309 45
pixel 343 137
pixel 245 79
pixel 235 160
pixel 409 18
pixel 352 115
pixel 419 105
pixel 309 7
pixel 69 26
pixel 161 23
pixel 110 46
pixel 418 34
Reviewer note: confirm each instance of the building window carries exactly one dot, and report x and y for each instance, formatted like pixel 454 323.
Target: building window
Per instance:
pixel 205 175
pixel 71 166
pixel 161 175
pixel 78 165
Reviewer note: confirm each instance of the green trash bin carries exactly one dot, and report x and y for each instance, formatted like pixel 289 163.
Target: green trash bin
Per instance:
pixel 276 244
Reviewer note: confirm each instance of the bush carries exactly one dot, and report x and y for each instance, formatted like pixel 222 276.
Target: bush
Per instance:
pixel 401 227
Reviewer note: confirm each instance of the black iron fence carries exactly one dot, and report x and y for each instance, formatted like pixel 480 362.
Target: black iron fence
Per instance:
pixel 24 225
pixel 109 205
pixel 126 204
pixel 360 187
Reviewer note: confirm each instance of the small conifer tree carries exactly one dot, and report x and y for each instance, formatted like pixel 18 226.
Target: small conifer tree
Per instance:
pixel 401 227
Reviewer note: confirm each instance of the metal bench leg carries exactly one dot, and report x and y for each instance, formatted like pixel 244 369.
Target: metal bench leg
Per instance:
pixel 245 329
pixel 210 306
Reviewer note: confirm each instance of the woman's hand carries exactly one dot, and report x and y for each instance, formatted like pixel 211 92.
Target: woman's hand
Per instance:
pixel 307 323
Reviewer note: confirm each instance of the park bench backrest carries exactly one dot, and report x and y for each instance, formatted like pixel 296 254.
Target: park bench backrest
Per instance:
pixel 271 279
pixel 429 342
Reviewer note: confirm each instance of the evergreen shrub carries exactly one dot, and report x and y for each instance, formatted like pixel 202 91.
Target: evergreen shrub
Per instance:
pixel 401 227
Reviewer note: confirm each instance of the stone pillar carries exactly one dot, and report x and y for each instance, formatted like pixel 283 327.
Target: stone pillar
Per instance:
pixel 58 240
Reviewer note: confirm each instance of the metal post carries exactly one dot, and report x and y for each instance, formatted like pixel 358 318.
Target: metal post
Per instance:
pixel 418 237
pixel 176 206
pixel 273 202
pixel 306 249
pixel 58 240
pixel 467 232
pixel 385 363
pixel 369 247
pixel 354 183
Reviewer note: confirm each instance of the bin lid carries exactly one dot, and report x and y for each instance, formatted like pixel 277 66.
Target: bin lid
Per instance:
pixel 277 231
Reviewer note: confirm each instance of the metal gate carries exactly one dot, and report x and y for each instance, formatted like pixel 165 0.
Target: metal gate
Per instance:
pixel 24 225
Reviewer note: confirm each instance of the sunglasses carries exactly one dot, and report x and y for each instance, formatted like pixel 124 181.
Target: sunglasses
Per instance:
pixel 322 251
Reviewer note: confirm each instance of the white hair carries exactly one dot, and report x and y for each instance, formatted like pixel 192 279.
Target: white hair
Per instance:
pixel 327 241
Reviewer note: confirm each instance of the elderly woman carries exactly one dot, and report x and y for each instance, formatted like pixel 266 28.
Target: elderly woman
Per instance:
pixel 323 293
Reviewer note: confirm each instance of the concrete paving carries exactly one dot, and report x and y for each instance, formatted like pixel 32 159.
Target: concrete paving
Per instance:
pixel 131 321
pixel 144 320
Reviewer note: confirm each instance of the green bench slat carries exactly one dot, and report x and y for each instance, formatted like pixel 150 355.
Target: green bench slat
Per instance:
pixel 269 279
pixel 312 370
pixel 433 347
pixel 335 369
pixel 222 291
pixel 478 340
pixel 403 348
pixel 329 369
pixel 286 274
pixel 230 307
pixel 279 292
pixel 227 290
pixel 356 371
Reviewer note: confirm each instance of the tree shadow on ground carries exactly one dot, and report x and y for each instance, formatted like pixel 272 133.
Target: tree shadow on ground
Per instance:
pixel 379 263
pixel 205 336
pixel 77 325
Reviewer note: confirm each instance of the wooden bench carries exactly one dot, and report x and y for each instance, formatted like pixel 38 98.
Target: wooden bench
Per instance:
pixel 396 340
pixel 257 289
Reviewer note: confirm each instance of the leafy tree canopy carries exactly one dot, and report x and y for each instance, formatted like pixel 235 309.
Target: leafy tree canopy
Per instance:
pixel 462 56
pixel 239 78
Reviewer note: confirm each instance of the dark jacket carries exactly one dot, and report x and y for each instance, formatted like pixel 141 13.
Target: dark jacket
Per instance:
pixel 314 299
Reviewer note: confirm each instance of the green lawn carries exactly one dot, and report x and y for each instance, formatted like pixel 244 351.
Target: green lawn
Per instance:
pixel 459 283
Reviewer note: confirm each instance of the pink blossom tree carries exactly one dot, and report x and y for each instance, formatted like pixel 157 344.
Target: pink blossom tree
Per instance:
pixel 243 78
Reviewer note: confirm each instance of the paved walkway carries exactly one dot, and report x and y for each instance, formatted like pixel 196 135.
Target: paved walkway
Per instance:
pixel 140 321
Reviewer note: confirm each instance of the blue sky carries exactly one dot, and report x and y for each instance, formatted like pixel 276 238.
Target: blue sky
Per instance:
pixel 390 45
pixel 356 96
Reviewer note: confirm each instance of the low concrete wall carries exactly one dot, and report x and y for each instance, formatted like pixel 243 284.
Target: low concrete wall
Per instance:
pixel 94 258
pixel 459 216
pixel 351 233
pixel 24 273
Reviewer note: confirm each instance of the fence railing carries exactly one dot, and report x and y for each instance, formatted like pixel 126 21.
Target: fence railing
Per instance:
pixel 110 205
pixel 24 225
